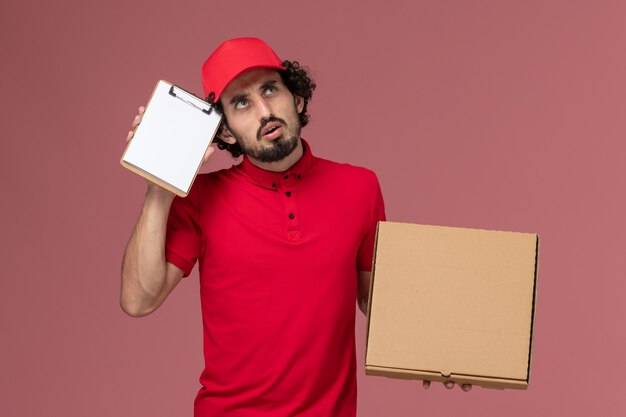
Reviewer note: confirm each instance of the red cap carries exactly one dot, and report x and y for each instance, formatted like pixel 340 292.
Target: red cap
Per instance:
pixel 232 58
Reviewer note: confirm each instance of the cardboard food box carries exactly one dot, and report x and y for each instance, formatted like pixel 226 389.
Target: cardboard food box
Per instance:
pixel 452 304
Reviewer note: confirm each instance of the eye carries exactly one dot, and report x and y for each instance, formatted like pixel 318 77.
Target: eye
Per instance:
pixel 270 90
pixel 241 104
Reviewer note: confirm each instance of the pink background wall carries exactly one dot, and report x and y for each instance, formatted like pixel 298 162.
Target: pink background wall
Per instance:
pixel 493 114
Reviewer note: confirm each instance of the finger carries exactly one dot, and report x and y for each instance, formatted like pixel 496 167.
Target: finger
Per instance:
pixel 449 384
pixel 466 387
pixel 136 122
pixel 141 110
pixel 426 384
pixel 129 136
pixel 208 154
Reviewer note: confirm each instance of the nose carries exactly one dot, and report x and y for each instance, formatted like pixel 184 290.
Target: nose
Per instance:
pixel 264 109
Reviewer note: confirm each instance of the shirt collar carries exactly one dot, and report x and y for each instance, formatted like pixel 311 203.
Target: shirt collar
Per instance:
pixel 272 179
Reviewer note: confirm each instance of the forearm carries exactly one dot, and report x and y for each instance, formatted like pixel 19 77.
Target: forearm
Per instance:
pixel 144 268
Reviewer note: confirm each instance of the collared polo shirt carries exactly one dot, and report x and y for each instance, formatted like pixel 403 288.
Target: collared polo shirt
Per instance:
pixel 278 256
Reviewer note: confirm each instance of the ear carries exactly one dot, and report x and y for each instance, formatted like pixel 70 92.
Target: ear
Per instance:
pixel 226 135
pixel 299 103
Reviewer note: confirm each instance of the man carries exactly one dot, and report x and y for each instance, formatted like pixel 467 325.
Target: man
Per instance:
pixel 284 244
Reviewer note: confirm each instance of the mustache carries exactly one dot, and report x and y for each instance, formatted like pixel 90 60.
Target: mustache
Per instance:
pixel 267 120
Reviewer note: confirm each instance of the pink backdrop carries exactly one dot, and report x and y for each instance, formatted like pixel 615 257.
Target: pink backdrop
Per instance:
pixel 491 114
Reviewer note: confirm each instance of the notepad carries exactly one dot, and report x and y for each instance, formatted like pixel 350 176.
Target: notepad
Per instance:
pixel 175 131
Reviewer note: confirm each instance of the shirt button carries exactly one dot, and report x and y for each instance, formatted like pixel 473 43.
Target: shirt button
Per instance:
pixel 285 177
pixel 291 216
pixel 288 193
pixel 273 185
pixel 298 176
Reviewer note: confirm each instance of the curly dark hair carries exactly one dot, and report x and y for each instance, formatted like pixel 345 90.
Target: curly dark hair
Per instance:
pixel 297 81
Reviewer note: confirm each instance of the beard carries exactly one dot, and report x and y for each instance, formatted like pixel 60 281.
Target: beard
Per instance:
pixel 278 149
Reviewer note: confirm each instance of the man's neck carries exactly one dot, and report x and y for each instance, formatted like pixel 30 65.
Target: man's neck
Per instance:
pixel 284 164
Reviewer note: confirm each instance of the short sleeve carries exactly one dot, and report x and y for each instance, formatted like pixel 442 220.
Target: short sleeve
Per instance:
pixel 183 237
pixel 377 207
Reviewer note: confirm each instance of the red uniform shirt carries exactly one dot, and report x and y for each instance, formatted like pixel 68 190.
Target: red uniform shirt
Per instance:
pixel 278 258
